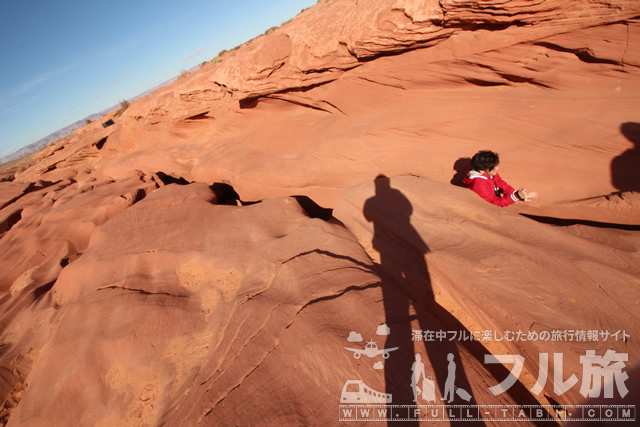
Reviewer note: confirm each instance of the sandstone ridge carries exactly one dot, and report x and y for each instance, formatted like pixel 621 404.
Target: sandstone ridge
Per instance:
pixel 204 260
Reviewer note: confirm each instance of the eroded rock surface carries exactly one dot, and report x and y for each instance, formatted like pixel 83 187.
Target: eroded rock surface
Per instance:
pixel 205 260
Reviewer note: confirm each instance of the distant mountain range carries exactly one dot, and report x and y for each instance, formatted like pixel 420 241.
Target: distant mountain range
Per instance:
pixel 41 143
pixel 66 131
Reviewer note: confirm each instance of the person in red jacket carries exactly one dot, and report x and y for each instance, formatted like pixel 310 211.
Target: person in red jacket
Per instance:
pixel 484 180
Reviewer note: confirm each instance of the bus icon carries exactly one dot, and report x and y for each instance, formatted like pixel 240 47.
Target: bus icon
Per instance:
pixel 356 391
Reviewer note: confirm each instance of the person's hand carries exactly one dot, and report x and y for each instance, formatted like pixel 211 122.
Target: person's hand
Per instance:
pixel 527 195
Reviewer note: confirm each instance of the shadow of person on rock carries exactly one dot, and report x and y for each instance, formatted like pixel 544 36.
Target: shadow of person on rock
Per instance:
pixel 407 296
pixel 403 267
pixel 625 169
pixel 461 166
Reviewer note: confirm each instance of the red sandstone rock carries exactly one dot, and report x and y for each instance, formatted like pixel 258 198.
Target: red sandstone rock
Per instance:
pixel 128 299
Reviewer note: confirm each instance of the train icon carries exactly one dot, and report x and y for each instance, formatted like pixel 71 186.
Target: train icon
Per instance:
pixel 371 350
pixel 356 391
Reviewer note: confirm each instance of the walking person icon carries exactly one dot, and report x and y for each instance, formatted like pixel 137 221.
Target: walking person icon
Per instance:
pixel 449 387
pixel 418 371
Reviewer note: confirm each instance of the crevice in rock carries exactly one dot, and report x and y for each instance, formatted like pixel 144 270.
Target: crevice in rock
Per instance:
pixel 405 49
pixel 40 291
pixel 376 284
pixel 141 291
pixel 511 78
pixel 313 209
pixel 201 116
pixel 15 199
pixel 362 265
pixel 565 222
pixel 370 80
pixel 100 144
pixel 225 194
pixel 171 179
pixel 626 45
pixel 520 79
pixel 54 151
pixel 486 25
pixel 33 186
pixel 584 54
pixel 484 83
pixel 10 221
pixel 253 101
pixel 69 259
pixel 48 168
pixel 305 104
pixel 136 196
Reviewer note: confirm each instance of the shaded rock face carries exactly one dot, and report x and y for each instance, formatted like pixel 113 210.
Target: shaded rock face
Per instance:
pixel 209 258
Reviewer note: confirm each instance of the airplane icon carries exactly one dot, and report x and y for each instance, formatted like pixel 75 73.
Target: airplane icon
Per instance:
pixel 371 350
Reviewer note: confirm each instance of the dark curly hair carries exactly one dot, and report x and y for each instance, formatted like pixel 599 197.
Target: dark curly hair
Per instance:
pixel 485 160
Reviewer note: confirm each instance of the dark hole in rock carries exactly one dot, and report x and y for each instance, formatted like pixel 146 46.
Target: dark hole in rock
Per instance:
pixel 248 103
pixel 202 116
pixel 101 143
pixel 313 209
pixel 10 221
pixel 170 179
pixel 225 194
pixel 37 293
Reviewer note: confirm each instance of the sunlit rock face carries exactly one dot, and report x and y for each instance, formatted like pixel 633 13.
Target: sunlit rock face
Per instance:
pixel 213 257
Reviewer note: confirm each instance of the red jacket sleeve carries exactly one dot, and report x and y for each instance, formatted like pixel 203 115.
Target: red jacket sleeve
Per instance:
pixel 501 183
pixel 484 188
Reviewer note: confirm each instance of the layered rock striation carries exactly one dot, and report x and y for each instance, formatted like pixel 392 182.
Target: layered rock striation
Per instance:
pixel 207 259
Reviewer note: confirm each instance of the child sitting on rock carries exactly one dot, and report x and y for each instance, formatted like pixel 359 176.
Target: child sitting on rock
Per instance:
pixel 484 180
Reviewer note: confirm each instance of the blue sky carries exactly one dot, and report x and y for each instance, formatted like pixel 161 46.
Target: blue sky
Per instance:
pixel 61 61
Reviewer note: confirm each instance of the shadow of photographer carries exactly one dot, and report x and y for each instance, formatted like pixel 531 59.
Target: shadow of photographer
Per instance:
pixel 407 296
pixel 402 265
